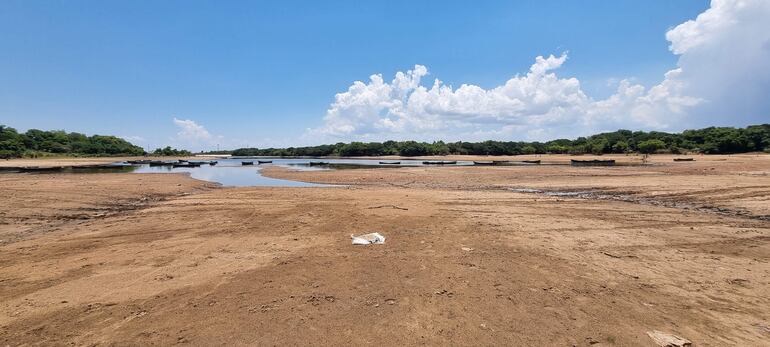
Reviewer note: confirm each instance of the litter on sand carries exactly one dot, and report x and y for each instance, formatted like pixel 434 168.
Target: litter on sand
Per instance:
pixel 668 340
pixel 368 239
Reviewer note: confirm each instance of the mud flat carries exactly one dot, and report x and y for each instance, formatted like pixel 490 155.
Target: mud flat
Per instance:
pixel 471 258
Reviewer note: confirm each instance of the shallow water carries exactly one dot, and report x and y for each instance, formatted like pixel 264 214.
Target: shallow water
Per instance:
pixel 228 174
pixel 231 172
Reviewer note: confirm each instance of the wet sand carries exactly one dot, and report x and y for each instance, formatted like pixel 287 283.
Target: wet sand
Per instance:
pixel 473 256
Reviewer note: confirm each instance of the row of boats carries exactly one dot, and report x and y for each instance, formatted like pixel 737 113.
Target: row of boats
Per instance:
pixel 173 163
pixel 574 162
pixel 480 163
pixel 258 162
pixel 181 163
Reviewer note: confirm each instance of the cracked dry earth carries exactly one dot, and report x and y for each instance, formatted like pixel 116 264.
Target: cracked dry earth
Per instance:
pixel 154 259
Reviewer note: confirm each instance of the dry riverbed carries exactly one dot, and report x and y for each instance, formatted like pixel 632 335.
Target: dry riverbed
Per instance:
pixel 473 256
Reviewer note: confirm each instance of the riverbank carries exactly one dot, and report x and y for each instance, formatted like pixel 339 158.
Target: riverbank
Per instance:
pixel 473 256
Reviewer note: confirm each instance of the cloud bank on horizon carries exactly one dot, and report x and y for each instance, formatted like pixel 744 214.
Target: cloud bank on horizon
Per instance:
pixel 722 77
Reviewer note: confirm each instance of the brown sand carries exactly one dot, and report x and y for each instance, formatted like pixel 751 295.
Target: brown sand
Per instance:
pixel 129 259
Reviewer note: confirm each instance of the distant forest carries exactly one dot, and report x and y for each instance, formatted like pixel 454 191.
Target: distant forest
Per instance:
pixel 35 143
pixel 713 140
pixel 39 143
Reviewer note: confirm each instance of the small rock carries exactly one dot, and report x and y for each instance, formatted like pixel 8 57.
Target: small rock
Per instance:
pixel 668 340
pixel 467 249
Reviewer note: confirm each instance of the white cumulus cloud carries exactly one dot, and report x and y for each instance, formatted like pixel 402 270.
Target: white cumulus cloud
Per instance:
pixel 190 130
pixel 194 136
pixel 723 71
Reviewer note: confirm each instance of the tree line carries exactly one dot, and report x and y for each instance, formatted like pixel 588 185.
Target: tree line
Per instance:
pixel 34 143
pixel 712 140
pixel 39 143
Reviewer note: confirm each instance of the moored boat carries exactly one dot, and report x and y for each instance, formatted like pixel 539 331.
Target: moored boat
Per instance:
pixel 531 161
pixel 139 162
pixel 485 163
pixel 390 162
pixel 41 169
pixel 594 162
pixel 264 161
pixel 317 163
pixel 186 165
pixel 247 163
pixel 161 163
pixel 439 162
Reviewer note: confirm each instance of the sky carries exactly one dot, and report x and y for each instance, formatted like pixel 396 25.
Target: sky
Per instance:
pixel 204 75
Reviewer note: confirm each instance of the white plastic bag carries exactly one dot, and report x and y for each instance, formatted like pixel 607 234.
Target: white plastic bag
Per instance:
pixel 368 239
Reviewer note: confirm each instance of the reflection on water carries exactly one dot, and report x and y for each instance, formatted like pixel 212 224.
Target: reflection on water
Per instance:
pixel 231 172
pixel 228 173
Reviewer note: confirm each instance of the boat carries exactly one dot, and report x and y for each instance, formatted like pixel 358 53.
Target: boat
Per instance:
pixel 247 163
pixel 486 163
pixel 139 162
pixel 213 162
pixel 186 165
pixel 594 162
pixel 684 159
pixel 161 163
pixel 40 169
pixel 264 161
pixel 317 163
pixel 531 161
pixel 439 162
pixel 390 162
pixel 99 166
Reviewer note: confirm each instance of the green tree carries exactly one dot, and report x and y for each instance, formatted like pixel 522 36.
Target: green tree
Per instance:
pixel 650 146
pixel 620 147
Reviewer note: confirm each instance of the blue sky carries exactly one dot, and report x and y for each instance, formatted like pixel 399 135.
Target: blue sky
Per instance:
pixel 266 73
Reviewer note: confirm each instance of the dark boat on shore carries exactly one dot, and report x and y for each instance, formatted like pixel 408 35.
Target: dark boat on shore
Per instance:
pixel 247 163
pixel 264 161
pixel 317 163
pixel 100 166
pixel 684 159
pixel 390 162
pixel 41 169
pixel 594 162
pixel 439 162
pixel 484 163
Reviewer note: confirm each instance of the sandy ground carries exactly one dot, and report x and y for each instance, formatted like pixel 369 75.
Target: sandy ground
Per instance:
pixel 472 257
